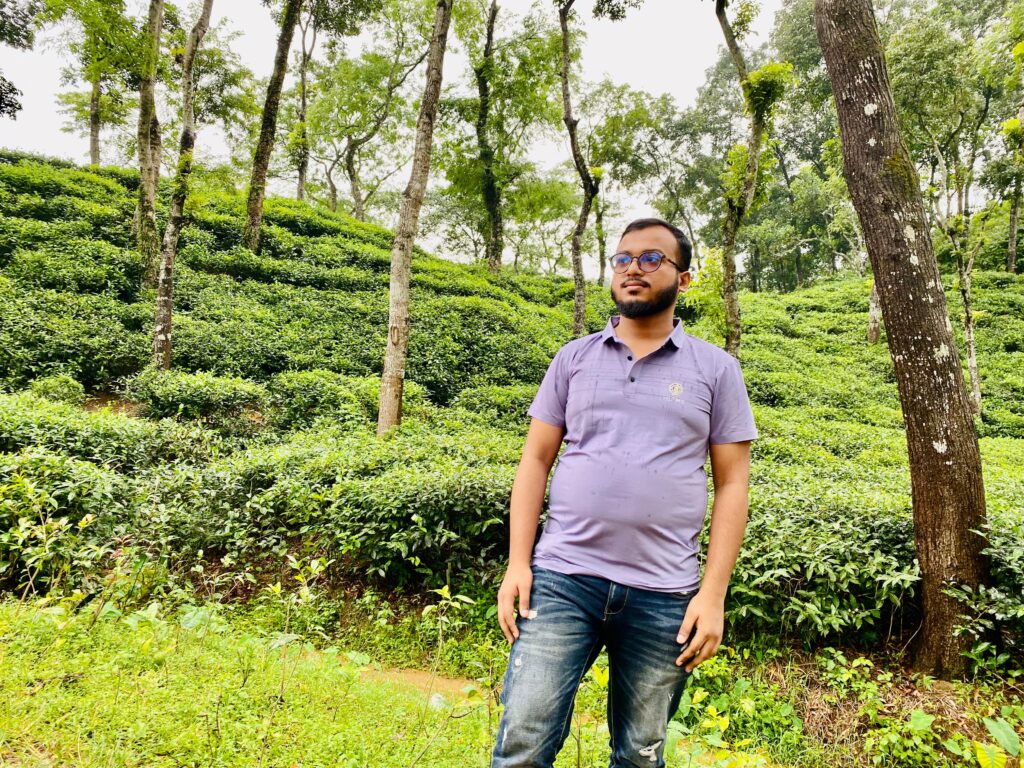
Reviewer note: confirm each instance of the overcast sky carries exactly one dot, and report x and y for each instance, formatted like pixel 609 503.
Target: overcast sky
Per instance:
pixel 664 47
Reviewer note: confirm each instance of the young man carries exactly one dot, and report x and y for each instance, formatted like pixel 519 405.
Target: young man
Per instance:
pixel 638 406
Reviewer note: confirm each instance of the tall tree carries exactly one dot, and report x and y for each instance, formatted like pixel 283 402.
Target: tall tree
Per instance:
pixel 149 144
pixel 762 90
pixel 17 31
pixel 590 185
pixel 361 113
pixel 945 462
pixel 511 97
pixel 268 126
pixel 104 43
pixel 169 248
pixel 393 378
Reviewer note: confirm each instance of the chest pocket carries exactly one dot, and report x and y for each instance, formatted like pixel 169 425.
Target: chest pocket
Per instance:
pixel 593 396
pixel 678 394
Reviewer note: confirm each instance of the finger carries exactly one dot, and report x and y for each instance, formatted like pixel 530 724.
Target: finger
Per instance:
pixel 512 624
pixel 689 656
pixel 686 628
pixel 524 599
pixel 506 609
pixel 706 652
pixel 501 622
pixel 694 646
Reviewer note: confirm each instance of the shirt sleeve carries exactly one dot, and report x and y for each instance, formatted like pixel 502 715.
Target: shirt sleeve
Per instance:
pixel 549 403
pixel 732 419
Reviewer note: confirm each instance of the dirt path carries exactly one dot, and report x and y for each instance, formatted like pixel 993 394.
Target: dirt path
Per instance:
pixel 427 684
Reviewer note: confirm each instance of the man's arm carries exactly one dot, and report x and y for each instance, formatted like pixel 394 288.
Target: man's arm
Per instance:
pixel 542 443
pixel 705 615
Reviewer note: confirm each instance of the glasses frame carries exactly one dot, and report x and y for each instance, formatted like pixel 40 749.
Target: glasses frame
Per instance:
pixel 661 258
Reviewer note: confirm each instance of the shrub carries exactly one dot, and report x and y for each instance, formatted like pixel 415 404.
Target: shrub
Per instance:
pixel 299 398
pixel 202 396
pixel 57 517
pixel 112 439
pixel 505 405
pixel 60 388
pixel 17 233
pixel 80 266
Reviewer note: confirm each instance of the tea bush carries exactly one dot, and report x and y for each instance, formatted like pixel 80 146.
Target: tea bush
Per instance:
pixel 103 437
pixel 60 388
pixel 201 396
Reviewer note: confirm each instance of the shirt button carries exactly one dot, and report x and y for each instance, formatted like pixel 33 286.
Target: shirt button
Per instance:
pixel 629 357
pixel 632 378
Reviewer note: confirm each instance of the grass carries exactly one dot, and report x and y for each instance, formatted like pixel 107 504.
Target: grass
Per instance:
pixel 203 685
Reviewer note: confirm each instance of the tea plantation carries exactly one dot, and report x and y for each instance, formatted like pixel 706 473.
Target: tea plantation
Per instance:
pixel 259 445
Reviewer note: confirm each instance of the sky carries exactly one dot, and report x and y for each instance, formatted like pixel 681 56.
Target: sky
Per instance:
pixel 663 47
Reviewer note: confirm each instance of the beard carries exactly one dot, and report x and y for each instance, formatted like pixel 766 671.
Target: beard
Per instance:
pixel 637 308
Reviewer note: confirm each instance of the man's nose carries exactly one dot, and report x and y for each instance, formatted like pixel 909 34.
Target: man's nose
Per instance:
pixel 634 268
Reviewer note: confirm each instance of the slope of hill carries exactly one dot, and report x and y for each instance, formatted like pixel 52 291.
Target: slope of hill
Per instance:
pixel 229 459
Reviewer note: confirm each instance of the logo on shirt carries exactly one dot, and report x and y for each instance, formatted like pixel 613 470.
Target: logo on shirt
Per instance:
pixel 675 389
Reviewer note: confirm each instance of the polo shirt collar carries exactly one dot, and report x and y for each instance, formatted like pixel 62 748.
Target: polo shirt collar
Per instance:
pixel 676 337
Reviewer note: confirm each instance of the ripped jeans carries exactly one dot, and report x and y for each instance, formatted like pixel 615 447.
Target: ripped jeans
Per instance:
pixel 575 617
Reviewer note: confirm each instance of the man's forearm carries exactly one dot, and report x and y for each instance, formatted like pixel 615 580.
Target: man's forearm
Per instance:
pixel 728 523
pixel 524 508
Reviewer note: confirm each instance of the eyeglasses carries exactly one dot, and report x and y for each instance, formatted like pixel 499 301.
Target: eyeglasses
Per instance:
pixel 649 261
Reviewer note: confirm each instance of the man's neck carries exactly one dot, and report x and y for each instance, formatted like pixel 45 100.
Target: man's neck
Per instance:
pixel 646 329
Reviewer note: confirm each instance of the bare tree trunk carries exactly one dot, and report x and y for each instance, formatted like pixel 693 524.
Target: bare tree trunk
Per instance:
pixel 965 271
pixel 693 238
pixel 94 122
pixel 169 251
pixel 945 463
pixel 393 378
pixel 599 206
pixel 352 171
pixel 494 240
pixel 268 128
pixel 736 210
pixel 590 185
pixel 755 268
pixel 1011 251
pixel 874 315
pixel 308 26
pixel 148 233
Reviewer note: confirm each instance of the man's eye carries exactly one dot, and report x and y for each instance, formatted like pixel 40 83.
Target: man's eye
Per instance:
pixel 650 257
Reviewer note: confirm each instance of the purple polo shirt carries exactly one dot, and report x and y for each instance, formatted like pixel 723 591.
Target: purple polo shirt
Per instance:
pixel 629 494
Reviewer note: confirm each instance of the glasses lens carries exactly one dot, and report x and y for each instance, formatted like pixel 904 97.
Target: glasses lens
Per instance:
pixel 621 261
pixel 650 260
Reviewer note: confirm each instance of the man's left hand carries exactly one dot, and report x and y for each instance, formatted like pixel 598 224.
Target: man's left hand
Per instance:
pixel 705 619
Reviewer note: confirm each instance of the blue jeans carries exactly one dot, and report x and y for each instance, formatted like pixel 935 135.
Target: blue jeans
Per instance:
pixel 577 616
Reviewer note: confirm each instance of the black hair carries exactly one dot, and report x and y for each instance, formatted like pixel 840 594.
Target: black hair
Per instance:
pixel 685 249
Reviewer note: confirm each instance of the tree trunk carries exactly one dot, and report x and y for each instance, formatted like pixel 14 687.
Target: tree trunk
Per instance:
pixel 602 260
pixel 494 240
pixel 393 378
pixel 169 251
pixel 148 233
pixel 693 239
pixel 755 268
pixel 94 121
pixel 736 210
pixel 874 315
pixel 356 189
pixel 308 36
pixel 965 271
pixel 590 188
pixel 268 128
pixel 945 463
pixel 1011 251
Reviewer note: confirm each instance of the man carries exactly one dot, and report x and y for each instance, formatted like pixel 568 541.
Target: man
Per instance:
pixel 638 405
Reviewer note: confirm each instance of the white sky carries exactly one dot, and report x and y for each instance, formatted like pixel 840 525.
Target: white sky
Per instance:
pixel 664 47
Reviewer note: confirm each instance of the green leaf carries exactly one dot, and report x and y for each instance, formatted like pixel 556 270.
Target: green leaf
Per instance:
pixel 989 755
pixel 1004 734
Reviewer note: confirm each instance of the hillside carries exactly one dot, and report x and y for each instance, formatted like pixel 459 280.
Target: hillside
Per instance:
pixel 226 460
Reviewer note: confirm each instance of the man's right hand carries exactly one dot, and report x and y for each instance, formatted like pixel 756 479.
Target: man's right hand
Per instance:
pixel 517 583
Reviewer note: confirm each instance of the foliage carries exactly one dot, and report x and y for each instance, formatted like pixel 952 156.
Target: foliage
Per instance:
pixel 201 396
pixel 60 388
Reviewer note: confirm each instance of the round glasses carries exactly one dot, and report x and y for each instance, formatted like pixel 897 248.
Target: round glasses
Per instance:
pixel 649 261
